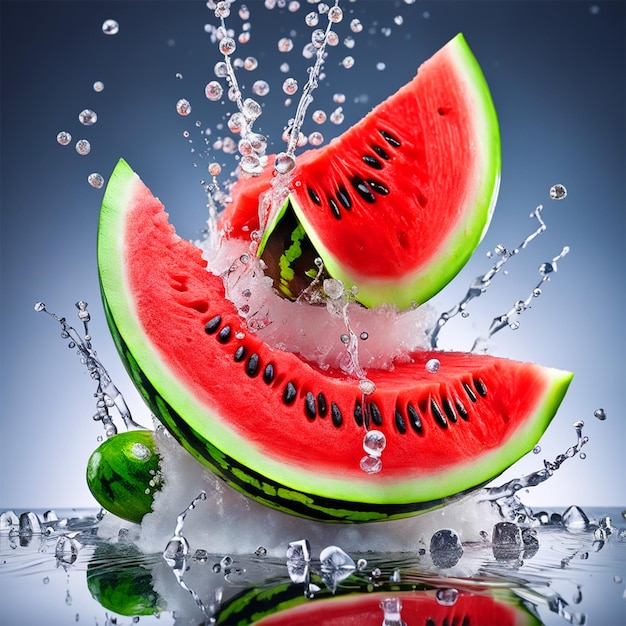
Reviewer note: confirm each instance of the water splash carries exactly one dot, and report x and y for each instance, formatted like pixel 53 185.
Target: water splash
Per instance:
pixel 481 283
pixel 107 395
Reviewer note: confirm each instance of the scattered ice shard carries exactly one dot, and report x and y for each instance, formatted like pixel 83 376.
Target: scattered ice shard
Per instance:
pixel 507 543
pixel 575 519
pixel 298 559
pixel 336 566
pixel 445 548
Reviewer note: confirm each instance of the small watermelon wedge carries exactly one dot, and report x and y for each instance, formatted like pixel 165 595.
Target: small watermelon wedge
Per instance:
pixel 398 203
pixel 283 430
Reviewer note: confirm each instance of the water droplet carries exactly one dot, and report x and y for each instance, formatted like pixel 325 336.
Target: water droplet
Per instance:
pixel 398 20
pixel 87 117
pixel 333 288
pixel 339 98
pixel 316 139
pixel 367 386
pixel 345 339
pixel 64 138
pixel 83 147
pixel 356 26
pixel 311 19
pixel 227 46
pixel 558 192
pixel 215 169
pixel 183 107
pixel 374 442
pixel 364 335
pixel 348 62
pixel 39 307
pixel 140 451
pixel 260 88
pixel 251 109
pixel 447 596
pixel 337 117
pixel 536 449
pixel 290 86
pixel 98 86
pixel 110 27
pixel 213 90
pixel 285 44
pixel 335 14
pixel 284 163
pixel 371 464
pixel 380 66
pixel 432 365
pixel 500 250
pixel 95 180
pixel 600 414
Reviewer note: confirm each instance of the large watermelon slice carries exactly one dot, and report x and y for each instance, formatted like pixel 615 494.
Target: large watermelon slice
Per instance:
pixel 398 203
pixel 281 429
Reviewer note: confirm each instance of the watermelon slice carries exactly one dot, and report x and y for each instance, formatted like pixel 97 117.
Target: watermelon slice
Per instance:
pixel 283 430
pixel 398 203
pixel 286 605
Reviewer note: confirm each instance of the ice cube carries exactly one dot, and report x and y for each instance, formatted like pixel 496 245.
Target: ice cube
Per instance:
pixel 445 548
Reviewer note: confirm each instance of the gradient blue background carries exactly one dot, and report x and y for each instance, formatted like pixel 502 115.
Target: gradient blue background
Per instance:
pixel 556 70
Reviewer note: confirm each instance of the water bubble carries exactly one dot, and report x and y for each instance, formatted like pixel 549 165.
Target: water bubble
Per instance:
pixel 546 268
pixel 600 414
pixel 95 180
pixel 284 163
pixel 380 66
pixel 349 42
pixel 536 449
pixel 293 6
pixel 432 365
pixel 110 27
pixel 398 20
pixel 87 117
pixel 215 169
pixel 500 250
pixel 213 90
pixel 140 451
pixel 364 335
pixel 345 338
pixel 318 116
pixel 337 117
pixel 348 62
pixel 374 442
pixel 371 464
pixel 285 44
pixel 251 109
pixel 227 46
pixel 558 192
pixel 98 86
pixel 220 69
pixel 64 138
pixel 83 147
pixel 260 88
pixel 39 307
pixel 183 107
pixel 339 98
pixel 318 36
pixel 447 596
pixel 222 10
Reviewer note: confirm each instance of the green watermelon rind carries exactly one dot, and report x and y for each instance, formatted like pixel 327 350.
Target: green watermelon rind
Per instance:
pixel 426 281
pixel 248 468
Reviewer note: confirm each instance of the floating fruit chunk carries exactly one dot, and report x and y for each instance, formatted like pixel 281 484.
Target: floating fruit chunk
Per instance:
pixel 123 474
pixel 398 203
pixel 283 430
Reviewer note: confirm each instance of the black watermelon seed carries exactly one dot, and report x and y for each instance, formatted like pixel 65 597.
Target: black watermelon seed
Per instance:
pixel 322 406
pixel 448 409
pixel 268 373
pixel 378 187
pixel 437 414
pixel 240 352
pixel 358 413
pixel 372 161
pixel 430 622
pixel 224 334
pixel 441 111
pixel 375 414
pixel 400 423
pixel 335 414
pixel 461 410
pixel 344 198
pixel 480 387
pixel 363 190
pixel 380 151
pixel 422 200
pixel 314 196
pixel 213 324
pixel 309 405
pixel 334 207
pixel 414 418
pixel 290 393
pixel 390 139
pixel 252 366
pixel 470 392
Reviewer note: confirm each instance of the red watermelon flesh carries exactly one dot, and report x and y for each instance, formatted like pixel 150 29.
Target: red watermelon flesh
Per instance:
pixel 397 204
pixel 283 430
